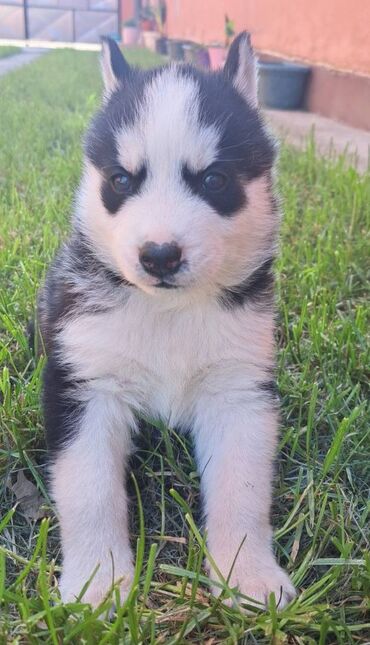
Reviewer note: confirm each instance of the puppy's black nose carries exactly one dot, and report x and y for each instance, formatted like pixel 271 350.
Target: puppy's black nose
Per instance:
pixel 160 260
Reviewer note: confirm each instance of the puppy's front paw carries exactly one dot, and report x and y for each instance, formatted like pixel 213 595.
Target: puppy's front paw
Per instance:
pixel 72 584
pixel 258 581
pixel 259 586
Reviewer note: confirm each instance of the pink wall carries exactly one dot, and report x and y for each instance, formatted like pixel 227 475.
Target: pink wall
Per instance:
pixel 330 32
pixel 127 9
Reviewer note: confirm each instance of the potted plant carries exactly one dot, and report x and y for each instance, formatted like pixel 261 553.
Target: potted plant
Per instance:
pixel 196 55
pixel 217 50
pixel 147 19
pixel 161 45
pixel 175 48
pixel 148 24
pixel 217 54
pixel 161 17
pixel 189 51
pixel 282 85
pixel 150 39
pixel 202 58
pixel 229 30
pixel 130 33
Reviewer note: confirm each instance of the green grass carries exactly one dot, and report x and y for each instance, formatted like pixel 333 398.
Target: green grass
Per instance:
pixel 9 50
pixel 320 512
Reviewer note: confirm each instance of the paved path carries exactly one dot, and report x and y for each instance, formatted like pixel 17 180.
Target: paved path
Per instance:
pixel 330 135
pixel 18 60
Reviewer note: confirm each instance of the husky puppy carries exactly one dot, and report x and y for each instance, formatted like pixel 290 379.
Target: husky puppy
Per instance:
pixel 161 303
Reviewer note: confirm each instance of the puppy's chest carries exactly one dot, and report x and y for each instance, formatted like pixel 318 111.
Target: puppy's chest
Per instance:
pixel 139 341
pixel 156 355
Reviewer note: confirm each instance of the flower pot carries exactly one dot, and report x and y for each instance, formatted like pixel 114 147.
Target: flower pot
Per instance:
pixel 282 85
pixel 189 52
pixel 196 55
pixel 130 36
pixel 146 24
pixel 217 56
pixel 176 49
pixel 161 46
pixel 202 58
pixel 149 39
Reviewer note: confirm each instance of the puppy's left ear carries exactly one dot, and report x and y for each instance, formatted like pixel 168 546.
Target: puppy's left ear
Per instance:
pixel 114 66
pixel 241 68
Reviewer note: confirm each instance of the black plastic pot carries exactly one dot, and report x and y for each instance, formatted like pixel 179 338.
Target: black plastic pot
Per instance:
pixel 189 52
pixel 175 49
pixel 282 85
pixel 161 46
pixel 196 55
pixel 202 58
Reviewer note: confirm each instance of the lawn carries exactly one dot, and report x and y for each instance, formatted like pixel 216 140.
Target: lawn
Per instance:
pixel 9 50
pixel 320 512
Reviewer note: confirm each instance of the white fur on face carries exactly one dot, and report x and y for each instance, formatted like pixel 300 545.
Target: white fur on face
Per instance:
pixel 166 136
pixel 168 133
pixel 165 211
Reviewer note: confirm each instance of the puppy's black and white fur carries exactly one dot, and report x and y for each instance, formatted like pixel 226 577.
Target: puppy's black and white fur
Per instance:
pixel 161 302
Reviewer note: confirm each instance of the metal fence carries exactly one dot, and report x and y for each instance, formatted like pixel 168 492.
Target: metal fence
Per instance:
pixel 63 20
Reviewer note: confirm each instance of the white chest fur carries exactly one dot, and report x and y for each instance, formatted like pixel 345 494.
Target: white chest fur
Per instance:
pixel 154 355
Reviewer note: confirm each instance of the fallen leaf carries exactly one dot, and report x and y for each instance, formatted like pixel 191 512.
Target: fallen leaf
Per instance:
pixel 29 498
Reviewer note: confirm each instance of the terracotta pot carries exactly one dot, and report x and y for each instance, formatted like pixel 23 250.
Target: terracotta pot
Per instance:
pixel 217 56
pixel 149 39
pixel 130 36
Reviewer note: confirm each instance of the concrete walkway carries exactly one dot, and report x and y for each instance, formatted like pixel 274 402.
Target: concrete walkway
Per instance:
pixel 330 136
pixel 18 60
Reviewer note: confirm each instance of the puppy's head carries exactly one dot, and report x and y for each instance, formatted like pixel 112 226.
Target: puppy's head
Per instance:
pixel 176 191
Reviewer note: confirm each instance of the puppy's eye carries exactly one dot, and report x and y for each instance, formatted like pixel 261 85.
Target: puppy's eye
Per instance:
pixel 121 182
pixel 214 181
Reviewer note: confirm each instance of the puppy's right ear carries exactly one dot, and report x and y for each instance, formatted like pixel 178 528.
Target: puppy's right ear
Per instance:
pixel 241 68
pixel 114 66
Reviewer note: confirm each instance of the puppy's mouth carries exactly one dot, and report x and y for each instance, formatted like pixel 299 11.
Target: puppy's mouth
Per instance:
pixel 166 285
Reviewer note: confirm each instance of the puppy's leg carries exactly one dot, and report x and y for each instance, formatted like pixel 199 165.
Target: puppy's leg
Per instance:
pixel 88 486
pixel 235 435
